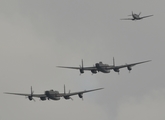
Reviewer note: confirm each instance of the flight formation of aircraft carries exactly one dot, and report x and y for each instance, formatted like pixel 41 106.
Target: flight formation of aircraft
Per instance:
pixel 98 67
pixel 54 95
pixel 136 17
pixel 104 68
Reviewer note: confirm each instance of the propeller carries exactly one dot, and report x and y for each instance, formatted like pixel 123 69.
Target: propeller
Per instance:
pixel 80 73
pixel 126 64
pixel 67 97
pixel 71 98
pixel 31 95
pixel 117 70
pixel 81 96
pixel 81 67
pixel 129 68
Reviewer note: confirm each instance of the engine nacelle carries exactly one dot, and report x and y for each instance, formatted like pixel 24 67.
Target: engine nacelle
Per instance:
pixel 116 70
pixel 42 98
pixel 80 95
pixel 30 97
pixel 66 97
pixel 81 71
pixel 94 71
pixel 129 68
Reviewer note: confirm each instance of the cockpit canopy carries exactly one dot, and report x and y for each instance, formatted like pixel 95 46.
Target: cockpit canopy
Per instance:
pixel 100 62
pixel 51 92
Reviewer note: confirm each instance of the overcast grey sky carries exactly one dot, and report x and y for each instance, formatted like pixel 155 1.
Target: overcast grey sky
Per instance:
pixel 38 35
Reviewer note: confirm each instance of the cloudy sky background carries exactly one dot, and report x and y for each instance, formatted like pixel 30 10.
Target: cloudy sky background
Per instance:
pixel 38 35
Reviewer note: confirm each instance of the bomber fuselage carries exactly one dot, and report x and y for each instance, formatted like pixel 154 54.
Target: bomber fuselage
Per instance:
pixel 54 95
pixel 102 67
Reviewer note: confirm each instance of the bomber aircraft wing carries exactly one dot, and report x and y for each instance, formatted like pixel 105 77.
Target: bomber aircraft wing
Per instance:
pixel 30 96
pixel 78 68
pixel 81 68
pixel 127 19
pixel 116 68
pixel 22 94
pixel 80 94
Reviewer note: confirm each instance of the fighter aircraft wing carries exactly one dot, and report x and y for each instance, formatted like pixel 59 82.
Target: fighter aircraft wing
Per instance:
pixel 79 93
pixel 146 16
pixel 128 65
pixel 78 68
pixel 127 19
pixel 33 95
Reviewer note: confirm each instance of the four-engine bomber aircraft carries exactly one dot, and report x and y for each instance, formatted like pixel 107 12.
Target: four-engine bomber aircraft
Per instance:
pixel 136 17
pixel 53 95
pixel 105 68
